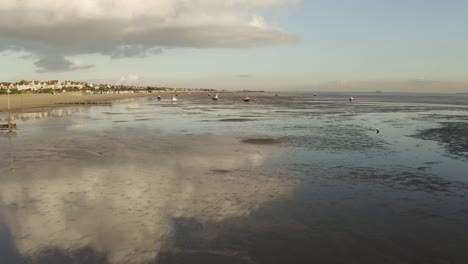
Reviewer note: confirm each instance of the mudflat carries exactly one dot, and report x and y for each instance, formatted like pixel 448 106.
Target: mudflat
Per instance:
pixel 306 180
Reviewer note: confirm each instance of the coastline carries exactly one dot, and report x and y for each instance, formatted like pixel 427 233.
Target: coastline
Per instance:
pixel 19 102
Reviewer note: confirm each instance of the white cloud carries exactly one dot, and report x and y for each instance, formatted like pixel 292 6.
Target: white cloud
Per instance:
pixel 118 28
pixel 129 79
pixel 126 209
pixel 257 22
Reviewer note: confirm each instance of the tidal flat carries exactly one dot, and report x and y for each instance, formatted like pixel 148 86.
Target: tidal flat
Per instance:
pixel 293 178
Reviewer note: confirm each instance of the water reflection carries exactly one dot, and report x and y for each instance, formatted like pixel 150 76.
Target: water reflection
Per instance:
pixel 101 187
pixel 43 113
pixel 120 200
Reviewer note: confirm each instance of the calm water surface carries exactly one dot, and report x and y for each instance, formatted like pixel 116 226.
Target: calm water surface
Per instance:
pixel 294 178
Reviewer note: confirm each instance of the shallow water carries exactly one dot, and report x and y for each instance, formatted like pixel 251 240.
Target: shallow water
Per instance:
pixel 293 178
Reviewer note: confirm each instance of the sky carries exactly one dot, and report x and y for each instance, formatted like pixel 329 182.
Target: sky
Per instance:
pixel 362 45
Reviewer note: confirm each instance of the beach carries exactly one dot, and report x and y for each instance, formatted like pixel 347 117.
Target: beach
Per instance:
pixel 293 178
pixel 27 101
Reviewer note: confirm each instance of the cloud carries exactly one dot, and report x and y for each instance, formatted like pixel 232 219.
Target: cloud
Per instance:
pixel 122 202
pixel 139 28
pixel 128 79
pixel 138 51
pixel 59 64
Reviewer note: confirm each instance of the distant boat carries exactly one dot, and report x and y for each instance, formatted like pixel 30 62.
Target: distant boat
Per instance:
pixel 351 99
pixel 159 98
pixel 215 97
pixel 174 99
pixel 246 99
pixel 209 94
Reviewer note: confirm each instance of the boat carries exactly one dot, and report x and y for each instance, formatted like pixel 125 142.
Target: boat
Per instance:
pixel 215 97
pixel 159 98
pixel 351 99
pixel 246 99
pixel 174 99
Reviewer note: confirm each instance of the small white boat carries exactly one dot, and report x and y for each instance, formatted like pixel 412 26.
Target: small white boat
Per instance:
pixel 215 97
pixel 351 99
pixel 246 99
pixel 159 98
pixel 174 99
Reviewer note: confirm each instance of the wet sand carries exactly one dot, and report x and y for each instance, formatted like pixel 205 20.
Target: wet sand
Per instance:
pixel 307 180
pixel 20 102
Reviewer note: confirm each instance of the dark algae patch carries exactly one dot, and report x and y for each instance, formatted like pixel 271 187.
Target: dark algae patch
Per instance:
pixel 261 141
pixel 187 256
pixel 221 171
pixel 452 135
pixel 236 120
pixel 403 179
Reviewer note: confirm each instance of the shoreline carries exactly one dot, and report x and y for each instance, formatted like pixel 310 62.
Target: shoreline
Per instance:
pixel 20 102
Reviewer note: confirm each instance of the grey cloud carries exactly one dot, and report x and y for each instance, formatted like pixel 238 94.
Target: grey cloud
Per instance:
pixel 26 57
pixel 53 63
pixel 138 51
pixel 140 29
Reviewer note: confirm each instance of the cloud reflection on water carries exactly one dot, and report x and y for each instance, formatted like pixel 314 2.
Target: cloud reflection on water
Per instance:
pixel 43 113
pixel 120 199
